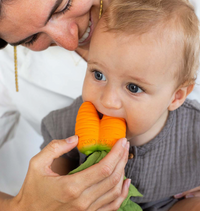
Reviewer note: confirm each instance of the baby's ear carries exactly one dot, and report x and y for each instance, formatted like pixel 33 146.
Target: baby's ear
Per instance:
pixel 179 96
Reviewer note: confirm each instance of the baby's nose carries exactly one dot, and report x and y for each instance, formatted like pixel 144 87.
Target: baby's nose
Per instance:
pixel 111 99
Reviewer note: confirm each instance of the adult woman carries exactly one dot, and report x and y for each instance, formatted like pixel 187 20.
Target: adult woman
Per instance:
pixel 49 23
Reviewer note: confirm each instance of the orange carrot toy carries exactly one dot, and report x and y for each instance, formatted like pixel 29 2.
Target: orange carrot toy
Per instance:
pixel 96 138
pixel 97 134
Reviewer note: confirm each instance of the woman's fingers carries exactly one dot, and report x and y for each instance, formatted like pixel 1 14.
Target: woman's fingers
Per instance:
pixel 43 160
pixel 195 192
pixel 112 199
pixel 110 188
pixel 85 192
pixel 108 196
pixel 115 204
pixel 104 169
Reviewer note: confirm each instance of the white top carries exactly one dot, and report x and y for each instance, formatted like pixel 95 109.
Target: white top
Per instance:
pixel 48 80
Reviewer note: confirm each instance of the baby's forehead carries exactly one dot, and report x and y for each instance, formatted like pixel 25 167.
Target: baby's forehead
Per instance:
pixel 160 35
pixel 133 48
pixel 164 36
pixel 163 29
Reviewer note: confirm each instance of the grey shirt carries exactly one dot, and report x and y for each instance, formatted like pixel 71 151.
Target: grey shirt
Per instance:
pixel 169 164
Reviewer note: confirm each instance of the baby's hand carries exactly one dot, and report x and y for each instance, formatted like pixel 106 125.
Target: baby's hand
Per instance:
pixel 195 192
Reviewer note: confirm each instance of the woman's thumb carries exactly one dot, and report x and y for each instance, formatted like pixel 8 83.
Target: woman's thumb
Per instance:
pixel 53 150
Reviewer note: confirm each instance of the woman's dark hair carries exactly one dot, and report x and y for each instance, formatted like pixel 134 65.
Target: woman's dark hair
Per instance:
pixel 2 43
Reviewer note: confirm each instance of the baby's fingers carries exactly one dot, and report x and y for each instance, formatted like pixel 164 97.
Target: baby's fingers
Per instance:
pixel 195 192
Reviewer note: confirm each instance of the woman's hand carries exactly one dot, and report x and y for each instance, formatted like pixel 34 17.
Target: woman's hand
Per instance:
pixel 100 187
pixel 195 192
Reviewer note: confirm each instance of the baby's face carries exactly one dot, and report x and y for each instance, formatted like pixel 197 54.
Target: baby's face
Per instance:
pixel 131 77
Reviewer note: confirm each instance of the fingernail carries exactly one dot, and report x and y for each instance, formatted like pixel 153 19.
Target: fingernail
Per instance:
pixel 128 183
pixel 179 195
pixel 128 145
pixel 189 196
pixel 124 140
pixel 72 139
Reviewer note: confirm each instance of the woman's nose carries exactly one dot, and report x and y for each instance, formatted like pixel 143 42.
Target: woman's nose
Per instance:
pixel 65 36
pixel 111 99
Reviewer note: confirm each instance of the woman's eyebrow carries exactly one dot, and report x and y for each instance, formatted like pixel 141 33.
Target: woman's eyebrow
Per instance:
pixel 54 8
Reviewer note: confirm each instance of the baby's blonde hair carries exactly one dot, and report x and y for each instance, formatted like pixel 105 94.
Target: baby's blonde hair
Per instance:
pixel 141 16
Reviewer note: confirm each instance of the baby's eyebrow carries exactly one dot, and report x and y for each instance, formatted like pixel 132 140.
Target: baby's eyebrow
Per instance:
pixel 91 62
pixel 94 62
pixel 142 80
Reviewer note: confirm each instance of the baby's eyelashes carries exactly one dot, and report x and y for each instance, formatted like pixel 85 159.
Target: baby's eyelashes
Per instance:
pixel 134 88
pixel 99 76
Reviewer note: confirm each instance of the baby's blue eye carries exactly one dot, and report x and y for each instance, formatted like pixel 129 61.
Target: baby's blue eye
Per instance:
pixel 134 88
pixel 99 76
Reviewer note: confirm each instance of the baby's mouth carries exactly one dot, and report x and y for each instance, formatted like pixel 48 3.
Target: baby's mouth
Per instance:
pixel 100 115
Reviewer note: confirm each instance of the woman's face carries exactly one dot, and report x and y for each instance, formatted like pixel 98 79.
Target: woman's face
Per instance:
pixel 39 24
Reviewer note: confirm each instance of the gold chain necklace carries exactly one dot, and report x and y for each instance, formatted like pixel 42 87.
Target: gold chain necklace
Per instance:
pixel 15 62
pixel 101 9
pixel 15 52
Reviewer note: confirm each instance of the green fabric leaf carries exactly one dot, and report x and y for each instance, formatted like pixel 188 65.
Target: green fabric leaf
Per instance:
pixel 127 204
pixel 130 206
pixel 91 160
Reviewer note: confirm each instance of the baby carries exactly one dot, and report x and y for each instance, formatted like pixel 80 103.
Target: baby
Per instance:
pixel 142 65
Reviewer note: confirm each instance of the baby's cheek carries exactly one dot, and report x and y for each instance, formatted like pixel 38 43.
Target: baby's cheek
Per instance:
pixel 85 96
pixel 84 91
pixel 89 92
pixel 133 129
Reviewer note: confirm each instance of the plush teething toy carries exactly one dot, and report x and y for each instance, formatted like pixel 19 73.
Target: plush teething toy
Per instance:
pixel 97 134
pixel 96 138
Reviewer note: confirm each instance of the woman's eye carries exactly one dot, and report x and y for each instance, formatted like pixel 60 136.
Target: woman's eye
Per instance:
pixel 99 76
pixel 31 42
pixel 67 7
pixel 134 88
